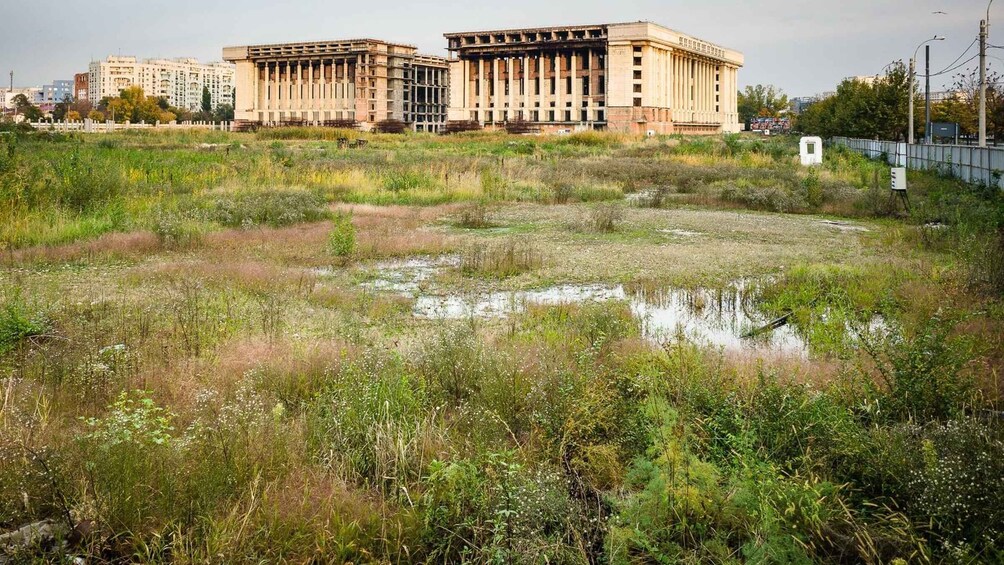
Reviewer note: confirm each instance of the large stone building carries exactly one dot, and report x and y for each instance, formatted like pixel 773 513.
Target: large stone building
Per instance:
pixel 363 80
pixel 631 77
pixel 180 81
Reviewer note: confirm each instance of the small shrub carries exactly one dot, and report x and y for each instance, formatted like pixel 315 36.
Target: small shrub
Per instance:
pixel 176 229
pixel 275 208
pixel 604 218
pixel 475 216
pixel 501 260
pixel 18 322
pixel 342 239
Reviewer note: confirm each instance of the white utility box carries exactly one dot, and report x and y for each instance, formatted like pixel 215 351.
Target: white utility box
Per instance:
pixel 811 151
pixel 899 179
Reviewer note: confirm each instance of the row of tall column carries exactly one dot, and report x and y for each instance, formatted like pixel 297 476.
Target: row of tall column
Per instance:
pixel 697 89
pixel 508 86
pixel 327 84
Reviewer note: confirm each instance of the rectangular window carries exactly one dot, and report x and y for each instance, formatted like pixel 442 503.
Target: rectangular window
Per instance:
pixel 637 102
pixel 637 48
pixel 600 116
pixel 550 115
pixel 585 86
pixel 568 115
pixel 637 61
pixel 568 85
pixel 585 116
pixel 637 88
pixel 637 75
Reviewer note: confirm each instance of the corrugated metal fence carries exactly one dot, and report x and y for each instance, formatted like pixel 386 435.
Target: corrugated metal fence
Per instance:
pixel 982 165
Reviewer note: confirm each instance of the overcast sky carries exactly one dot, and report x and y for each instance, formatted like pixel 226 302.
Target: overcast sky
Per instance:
pixel 802 46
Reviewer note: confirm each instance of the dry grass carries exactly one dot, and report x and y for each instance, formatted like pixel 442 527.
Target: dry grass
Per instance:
pixel 108 246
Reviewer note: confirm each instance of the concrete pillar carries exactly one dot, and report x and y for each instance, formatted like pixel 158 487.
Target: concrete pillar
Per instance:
pixel 576 91
pixel 482 91
pixel 310 86
pixel 542 96
pixel 559 108
pixel 525 78
pixel 511 81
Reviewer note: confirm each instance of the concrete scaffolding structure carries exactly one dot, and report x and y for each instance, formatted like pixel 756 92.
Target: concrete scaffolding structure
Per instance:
pixel 631 77
pixel 364 80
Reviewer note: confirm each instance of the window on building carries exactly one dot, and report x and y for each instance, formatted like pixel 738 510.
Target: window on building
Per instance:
pixel 637 75
pixel 568 85
pixel 637 88
pixel 637 61
pixel 637 48
pixel 637 102
pixel 585 86
pixel 568 115
pixel 585 116
pixel 550 115
pixel 600 116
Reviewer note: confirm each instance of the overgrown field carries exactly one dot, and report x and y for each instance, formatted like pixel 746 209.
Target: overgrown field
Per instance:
pixel 493 349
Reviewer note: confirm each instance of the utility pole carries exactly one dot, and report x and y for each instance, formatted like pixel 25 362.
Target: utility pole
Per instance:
pixel 913 79
pixel 927 96
pixel 984 32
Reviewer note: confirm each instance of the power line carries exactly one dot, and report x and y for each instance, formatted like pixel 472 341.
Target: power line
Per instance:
pixel 946 71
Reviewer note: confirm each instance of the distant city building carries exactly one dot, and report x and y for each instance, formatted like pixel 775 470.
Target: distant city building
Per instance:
pixel 364 80
pixel 52 94
pixel 179 81
pixel 869 80
pixel 33 94
pixel 631 77
pixel 80 87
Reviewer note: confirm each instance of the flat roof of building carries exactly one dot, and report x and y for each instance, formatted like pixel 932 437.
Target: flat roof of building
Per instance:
pixel 726 53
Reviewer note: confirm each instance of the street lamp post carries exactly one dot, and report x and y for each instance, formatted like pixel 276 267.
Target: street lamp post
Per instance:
pixel 913 74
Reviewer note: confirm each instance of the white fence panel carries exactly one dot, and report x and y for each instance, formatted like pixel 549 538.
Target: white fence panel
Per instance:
pixel 971 164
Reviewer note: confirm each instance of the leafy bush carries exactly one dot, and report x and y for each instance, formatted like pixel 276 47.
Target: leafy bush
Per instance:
pixel 274 208
pixel 18 321
pixel 342 239
pixel 177 229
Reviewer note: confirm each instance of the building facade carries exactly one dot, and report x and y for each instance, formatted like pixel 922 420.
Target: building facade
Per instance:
pixel 632 77
pixel 180 81
pixel 80 87
pixel 363 80
pixel 55 93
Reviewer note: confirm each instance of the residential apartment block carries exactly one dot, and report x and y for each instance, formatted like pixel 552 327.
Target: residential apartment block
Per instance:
pixel 363 80
pixel 630 77
pixel 180 81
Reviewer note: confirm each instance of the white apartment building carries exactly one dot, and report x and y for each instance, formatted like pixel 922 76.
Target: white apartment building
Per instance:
pixel 180 81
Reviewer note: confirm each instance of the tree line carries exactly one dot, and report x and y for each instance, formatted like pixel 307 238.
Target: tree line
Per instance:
pixel 879 109
pixel 132 105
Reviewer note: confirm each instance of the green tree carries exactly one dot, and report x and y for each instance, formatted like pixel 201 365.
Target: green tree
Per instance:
pixel 133 105
pixel 224 113
pixel 207 100
pixel 761 101
pixel 864 110
pixel 62 108
pixel 24 107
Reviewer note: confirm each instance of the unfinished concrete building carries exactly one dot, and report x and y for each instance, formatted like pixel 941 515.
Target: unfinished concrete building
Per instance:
pixel 363 80
pixel 631 77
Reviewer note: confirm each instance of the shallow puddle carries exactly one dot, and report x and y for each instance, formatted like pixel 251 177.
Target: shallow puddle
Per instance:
pixel 717 318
